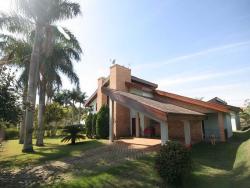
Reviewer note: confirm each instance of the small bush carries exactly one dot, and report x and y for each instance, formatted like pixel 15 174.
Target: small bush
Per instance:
pixel 88 124
pixel 11 133
pixel 173 162
pixel 94 125
pixel 102 122
pixel 73 133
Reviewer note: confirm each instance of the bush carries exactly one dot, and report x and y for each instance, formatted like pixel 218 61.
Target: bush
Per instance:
pixel 88 124
pixel 173 162
pixel 102 122
pixel 73 133
pixel 11 133
pixel 94 124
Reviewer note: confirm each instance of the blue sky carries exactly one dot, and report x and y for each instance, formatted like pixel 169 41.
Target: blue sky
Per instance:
pixel 193 48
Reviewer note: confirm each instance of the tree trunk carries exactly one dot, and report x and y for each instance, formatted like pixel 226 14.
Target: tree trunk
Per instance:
pixel 22 125
pixel 32 88
pixel 41 110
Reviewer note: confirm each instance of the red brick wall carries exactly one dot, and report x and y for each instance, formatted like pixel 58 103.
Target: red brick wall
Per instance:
pixel 196 131
pixel 118 76
pixel 176 131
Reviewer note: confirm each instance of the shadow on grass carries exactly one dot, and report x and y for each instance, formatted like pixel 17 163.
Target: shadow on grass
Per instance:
pixel 49 152
pixel 222 155
pixel 139 173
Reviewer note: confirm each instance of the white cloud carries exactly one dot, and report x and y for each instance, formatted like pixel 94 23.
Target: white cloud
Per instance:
pixel 184 78
pixel 192 55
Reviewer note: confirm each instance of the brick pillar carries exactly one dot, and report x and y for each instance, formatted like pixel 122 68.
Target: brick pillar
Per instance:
pixel 118 76
pixel 101 98
pixel 221 126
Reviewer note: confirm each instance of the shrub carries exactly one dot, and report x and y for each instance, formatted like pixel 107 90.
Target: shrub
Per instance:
pixel 173 162
pixel 88 124
pixel 11 133
pixel 94 124
pixel 73 133
pixel 102 122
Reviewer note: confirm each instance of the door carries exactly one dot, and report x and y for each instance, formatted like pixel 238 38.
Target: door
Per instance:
pixel 133 126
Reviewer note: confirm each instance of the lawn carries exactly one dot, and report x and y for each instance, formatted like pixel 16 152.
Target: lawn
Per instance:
pixel 224 165
pixel 12 155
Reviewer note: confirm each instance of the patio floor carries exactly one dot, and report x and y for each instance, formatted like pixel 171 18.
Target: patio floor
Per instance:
pixel 140 143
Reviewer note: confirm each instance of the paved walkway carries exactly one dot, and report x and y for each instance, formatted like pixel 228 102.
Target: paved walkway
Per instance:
pixel 102 157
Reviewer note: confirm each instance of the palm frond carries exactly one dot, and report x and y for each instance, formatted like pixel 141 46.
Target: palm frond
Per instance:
pixel 15 23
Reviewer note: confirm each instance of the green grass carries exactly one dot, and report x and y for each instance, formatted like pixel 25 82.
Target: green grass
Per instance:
pixel 225 165
pixel 12 156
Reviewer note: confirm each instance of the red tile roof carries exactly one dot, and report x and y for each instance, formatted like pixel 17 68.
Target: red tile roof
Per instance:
pixel 188 100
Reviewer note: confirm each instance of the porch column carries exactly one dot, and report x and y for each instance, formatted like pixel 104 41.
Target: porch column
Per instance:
pixel 221 126
pixel 137 134
pixel 164 132
pixel 142 123
pixel 111 121
pixel 130 113
pixel 187 132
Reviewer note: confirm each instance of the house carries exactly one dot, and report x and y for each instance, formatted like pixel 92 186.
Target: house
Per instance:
pixel 137 108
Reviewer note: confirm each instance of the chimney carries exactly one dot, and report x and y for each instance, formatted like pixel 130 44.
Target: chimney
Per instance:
pixel 101 98
pixel 118 76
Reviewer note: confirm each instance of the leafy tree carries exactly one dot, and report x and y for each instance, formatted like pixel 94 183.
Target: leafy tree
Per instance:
pixel 102 122
pixel 173 162
pixel 245 115
pixel 40 14
pixel 73 133
pixel 54 112
pixel 10 110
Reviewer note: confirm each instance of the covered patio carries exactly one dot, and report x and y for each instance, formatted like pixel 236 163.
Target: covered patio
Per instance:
pixel 168 116
pixel 140 143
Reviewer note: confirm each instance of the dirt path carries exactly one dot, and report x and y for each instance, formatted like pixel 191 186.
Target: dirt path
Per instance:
pixel 102 157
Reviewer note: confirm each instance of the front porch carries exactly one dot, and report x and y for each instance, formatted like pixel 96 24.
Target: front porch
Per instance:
pixel 140 143
pixel 167 120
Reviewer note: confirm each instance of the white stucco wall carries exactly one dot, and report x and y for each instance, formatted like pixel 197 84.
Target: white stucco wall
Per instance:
pixel 233 121
pixel 228 125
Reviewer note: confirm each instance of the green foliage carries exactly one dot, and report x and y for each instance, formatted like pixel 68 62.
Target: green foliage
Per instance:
pixel 102 122
pixel 88 124
pixel 53 112
pixel 10 110
pixel 73 133
pixel 11 133
pixel 245 115
pixel 173 162
pixel 94 124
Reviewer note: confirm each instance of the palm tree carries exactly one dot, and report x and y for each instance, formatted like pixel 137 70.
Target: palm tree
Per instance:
pixel 81 99
pixel 60 60
pixel 73 132
pixel 17 52
pixel 40 14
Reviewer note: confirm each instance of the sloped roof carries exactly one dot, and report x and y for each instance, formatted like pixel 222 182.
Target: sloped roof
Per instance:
pixel 91 98
pixel 217 100
pixel 146 105
pixel 213 106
